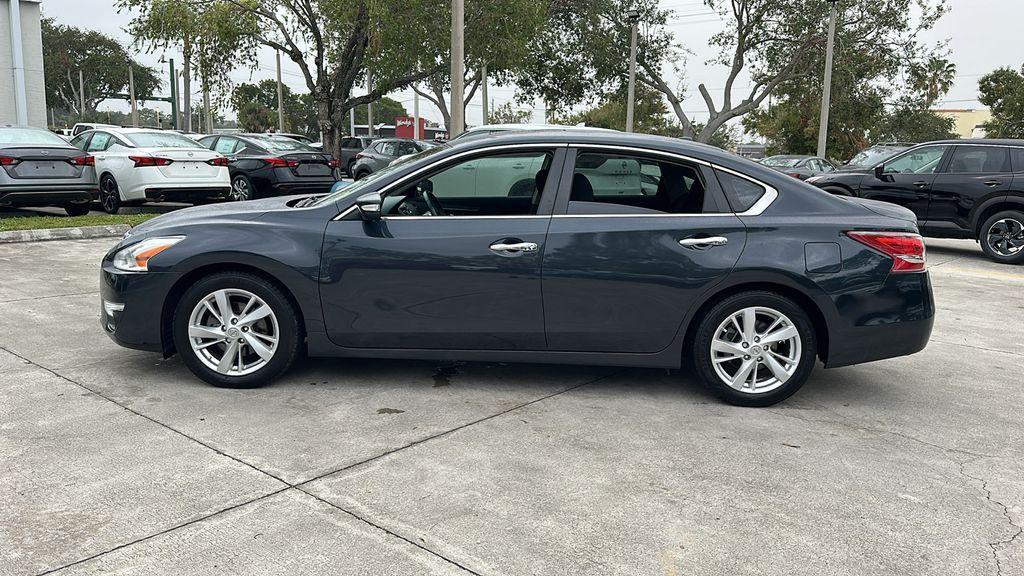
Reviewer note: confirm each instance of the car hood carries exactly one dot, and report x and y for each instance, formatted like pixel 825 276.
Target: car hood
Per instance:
pixel 883 208
pixel 226 211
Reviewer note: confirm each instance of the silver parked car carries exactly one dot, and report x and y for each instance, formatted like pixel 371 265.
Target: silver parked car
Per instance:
pixel 38 168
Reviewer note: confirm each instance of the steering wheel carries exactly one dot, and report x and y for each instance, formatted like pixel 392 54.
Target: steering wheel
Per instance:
pixel 433 205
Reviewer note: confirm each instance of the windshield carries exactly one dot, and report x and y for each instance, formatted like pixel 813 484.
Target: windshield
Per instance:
pixel 782 161
pixel 161 140
pixel 874 155
pixel 282 144
pixel 30 137
pixel 359 186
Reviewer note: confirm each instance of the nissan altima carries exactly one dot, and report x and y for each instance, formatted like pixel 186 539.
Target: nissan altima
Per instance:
pixel 566 247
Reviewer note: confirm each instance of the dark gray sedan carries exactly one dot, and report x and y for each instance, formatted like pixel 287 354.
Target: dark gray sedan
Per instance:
pixel 39 168
pixel 799 167
pixel 383 152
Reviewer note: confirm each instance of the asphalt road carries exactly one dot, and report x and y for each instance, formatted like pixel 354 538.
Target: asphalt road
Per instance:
pixel 114 461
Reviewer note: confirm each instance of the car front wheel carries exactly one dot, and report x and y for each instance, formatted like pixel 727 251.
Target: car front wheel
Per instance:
pixel 236 330
pixel 1002 237
pixel 755 348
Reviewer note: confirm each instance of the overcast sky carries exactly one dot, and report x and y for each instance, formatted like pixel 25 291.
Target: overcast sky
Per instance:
pixel 982 34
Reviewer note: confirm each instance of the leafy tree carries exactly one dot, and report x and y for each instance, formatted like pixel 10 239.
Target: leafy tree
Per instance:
pixel 508 114
pixel 104 64
pixel 213 36
pixel 256 108
pixel 1003 92
pixel 649 113
pixel 772 42
pixel 909 122
pixel 385 111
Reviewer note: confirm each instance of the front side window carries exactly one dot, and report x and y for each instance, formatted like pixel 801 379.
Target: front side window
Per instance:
pixel 919 161
pixel 610 183
pixel 979 160
pixel 80 141
pixel 501 184
pixel 407 148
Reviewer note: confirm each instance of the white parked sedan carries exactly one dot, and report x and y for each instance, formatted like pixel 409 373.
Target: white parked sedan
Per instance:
pixel 136 165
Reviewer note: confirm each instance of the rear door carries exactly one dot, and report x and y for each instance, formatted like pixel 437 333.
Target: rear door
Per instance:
pixel 907 179
pixel 623 263
pixel 973 175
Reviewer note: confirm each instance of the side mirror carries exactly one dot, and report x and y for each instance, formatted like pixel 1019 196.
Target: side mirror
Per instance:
pixel 369 205
pixel 880 171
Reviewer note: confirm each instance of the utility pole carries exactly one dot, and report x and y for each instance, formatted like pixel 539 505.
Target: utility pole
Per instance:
pixel 416 116
pixel 826 96
pixel 483 91
pixel 131 94
pixel 186 85
pixel 207 113
pixel 81 95
pixel 634 17
pixel 174 97
pixel 280 95
pixel 458 70
pixel 369 105
pixel 352 121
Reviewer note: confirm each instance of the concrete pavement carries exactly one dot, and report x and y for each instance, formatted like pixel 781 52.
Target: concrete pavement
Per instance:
pixel 115 461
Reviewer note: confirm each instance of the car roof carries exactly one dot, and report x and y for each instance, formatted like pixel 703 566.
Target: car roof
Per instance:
pixel 979 141
pixel 529 127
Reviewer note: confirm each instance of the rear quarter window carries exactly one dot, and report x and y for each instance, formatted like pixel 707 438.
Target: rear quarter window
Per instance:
pixel 741 193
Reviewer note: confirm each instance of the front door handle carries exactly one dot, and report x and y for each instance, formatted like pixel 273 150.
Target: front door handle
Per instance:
pixel 515 247
pixel 993 183
pixel 701 243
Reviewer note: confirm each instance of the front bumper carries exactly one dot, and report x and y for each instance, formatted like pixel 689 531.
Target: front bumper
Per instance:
pixel 132 307
pixel 895 320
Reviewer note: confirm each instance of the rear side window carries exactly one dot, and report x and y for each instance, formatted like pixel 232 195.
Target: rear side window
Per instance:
pixel 1017 159
pixel 226 145
pixel 979 160
pixel 607 183
pixel 100 142
pixel 741 193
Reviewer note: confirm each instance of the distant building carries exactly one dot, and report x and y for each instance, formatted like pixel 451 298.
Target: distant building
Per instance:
pixel 967 121
pixel 22 86
pixel 389 130
pixel 751 150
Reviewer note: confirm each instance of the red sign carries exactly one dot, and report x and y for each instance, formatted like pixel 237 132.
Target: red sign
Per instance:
pixel 404 127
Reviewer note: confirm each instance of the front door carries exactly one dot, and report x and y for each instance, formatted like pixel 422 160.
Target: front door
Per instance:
pixel 635 240
pixel 906 180
pixel 449 265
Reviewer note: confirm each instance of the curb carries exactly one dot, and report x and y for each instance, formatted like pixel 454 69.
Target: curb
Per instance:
pixel 79 233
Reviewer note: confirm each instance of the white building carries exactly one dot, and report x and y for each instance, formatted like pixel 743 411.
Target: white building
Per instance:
pixel 22 86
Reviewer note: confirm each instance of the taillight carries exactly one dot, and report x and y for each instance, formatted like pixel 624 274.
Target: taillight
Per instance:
pixel 141 161
pixel 82 161
pixel 281 162
pixel 220 161
pixel 8 161
pixel 333 163
pixel 905 248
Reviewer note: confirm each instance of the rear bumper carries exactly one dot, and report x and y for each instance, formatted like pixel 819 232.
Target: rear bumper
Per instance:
pixel 187 194
pixel 894 321
pixel 298 187
pixel 44 195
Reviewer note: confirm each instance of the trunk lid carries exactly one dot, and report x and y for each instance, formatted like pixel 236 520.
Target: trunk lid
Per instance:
pixel 42 162
pixel 884 209
pixel 311 164
pixel 189 163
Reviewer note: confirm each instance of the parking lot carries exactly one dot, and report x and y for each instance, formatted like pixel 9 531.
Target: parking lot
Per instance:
pixel 117 461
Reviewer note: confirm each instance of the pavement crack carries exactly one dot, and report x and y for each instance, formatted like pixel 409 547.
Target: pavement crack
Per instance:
pixel 998 545
pixel 35 298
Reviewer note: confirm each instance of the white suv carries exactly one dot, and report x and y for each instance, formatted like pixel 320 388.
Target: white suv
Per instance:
pixel 136 165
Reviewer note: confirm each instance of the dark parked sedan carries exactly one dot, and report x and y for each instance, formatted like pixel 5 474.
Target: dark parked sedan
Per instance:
pixel 39 168
pixel 262 165
pixel 688 255
pixel 383 152
pixel 956 189
pixel 799 167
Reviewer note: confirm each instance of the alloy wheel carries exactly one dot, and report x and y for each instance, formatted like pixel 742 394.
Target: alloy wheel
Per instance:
pixel 109 195
pixel 756 350
pixel 1006 237
pixel 233 332
pixel 240 189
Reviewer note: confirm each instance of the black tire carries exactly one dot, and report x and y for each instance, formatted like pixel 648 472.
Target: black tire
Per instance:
pixel 361 174
pixel 241 189
pixel 348 169
pixel 720 313
pixel 290 333
pixel 110 194
pixel 998 235
pixel 80 209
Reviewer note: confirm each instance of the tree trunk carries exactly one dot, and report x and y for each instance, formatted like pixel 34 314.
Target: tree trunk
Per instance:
pixel 186 75
pixel 326 120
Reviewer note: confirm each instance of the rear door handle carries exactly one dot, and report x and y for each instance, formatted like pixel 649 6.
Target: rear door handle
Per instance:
pixel 920 183
pixel 701 243
pixel 515 247
pixel 993 183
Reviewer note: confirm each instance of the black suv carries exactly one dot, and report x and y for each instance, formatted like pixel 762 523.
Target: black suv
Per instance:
pixel 957 188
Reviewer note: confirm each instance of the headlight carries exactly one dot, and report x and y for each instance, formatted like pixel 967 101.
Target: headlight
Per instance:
pixel 135 258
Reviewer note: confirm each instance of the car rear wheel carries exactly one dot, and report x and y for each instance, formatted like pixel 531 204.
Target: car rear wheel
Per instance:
pixel 79 209
pixel 110 194
pixel 236 330
pixel 1002 237
pixel 755 348
pixel 241 188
